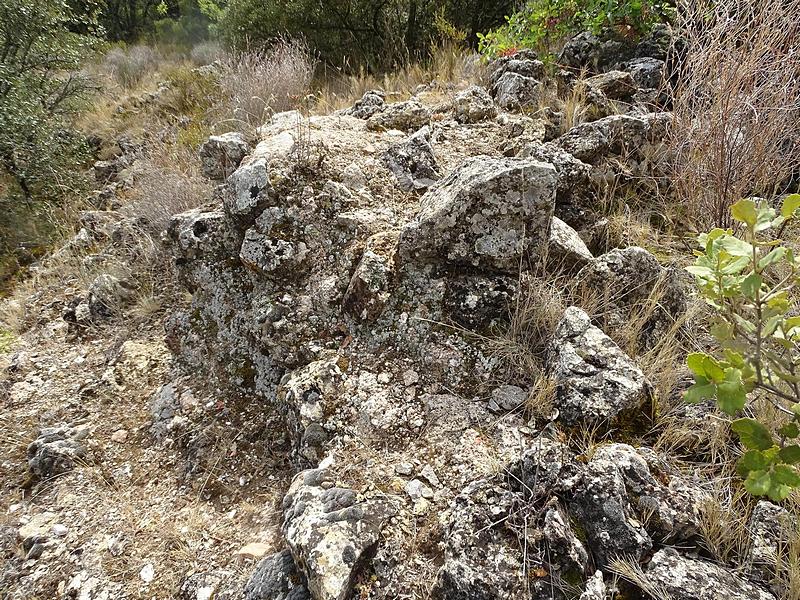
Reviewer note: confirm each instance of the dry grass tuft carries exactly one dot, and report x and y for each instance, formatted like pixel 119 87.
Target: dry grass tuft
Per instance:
pixel 737 120
pixel 257 84
pixel 129 66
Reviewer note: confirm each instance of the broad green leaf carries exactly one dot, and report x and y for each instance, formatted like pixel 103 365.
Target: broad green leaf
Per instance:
pixel 731 395
pixel 757 483
pixel 745 211
pixel 700 271
pixel 790 205
pixel 753 434
pixel 696 363
pixel 699 392
pixel 766 214
pixel 778 492
pixel 790 431
pixel 786 474
pixel 752 460
pixel 735 266
pixel 772 257
pixel 790 454
pixel 752 285
pixel 733 246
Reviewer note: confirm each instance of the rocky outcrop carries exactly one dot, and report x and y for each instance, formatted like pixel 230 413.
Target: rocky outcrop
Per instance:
pixel 413 162
pixel 56 450
pixel 276 578
pixel 686 578
pixel 330 531
pixel 220 155
pixel 596 382
pixel 473 105
pixel 489 213
pixel 405 116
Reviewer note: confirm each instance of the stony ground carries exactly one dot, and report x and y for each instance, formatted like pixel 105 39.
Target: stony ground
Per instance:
pixel 412 356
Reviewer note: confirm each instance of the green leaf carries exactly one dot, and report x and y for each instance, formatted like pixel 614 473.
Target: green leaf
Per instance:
pixel 778 492
pixel 752 460
pixel 790 205
pixel 731 395
pixel 786 475
pixel 752 285
pixel 772 257
pixel 790 431
pixel 757 483
pixel 790 454
pixel 700 391
pixel 733 246
pixel 796 410
pixel 753 434
pixel 745 212
pixel 696 363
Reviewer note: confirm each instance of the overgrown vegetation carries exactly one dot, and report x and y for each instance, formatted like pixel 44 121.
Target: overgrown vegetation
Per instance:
pixel 545 24
pixel 736 130
pixel 751 281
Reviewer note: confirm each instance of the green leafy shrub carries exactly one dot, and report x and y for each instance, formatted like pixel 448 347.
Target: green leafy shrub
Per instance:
pixel 543 24
pixel 751 282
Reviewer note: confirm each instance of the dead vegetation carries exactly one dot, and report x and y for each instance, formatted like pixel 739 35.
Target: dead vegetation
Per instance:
pixel 736 129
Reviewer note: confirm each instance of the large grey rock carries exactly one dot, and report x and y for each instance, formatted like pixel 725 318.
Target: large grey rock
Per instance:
pixel 413 162
pixel 566 251
pixel 56 450
pixel 482 561
pixel 489 213
pixel 522 63
pixel 615 134
pixel 624 498
pixel 405 116
pixel 615 85
pixel 631 282
pixel 597 384
pixel 271 246
pixel 247 192
pixel 370 285
pixel 276 578
pixel 515 91
pixel 330 532
pixel 601 498
pixel 647 72
pixel 575 196
pixel 220 155
pixel 685 578
pixel 541 467
pixel 566 552
pixel 474 104
pixel 371 102
pixel 108 295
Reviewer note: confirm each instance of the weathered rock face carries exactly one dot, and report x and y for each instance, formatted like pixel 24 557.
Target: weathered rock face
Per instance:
pixel 329 530
pixel 647 72
pixel 615 134
pixel 489 213
pixel 566 250
pixel 691 579
pixel 370 103
pixel 771 529
pixel 596 382
pixel 514 91
pixel 413 162
pixel 56 450
pixel 615 85
pixel 482 560
pixel 474 104
pixel 222 154
pixel 405 116
pixel 276 578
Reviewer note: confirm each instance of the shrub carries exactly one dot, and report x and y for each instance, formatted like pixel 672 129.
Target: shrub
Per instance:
pixel 128 66
pixel 751 283
pixel 257 84
pixel 544 24
pixel 736 126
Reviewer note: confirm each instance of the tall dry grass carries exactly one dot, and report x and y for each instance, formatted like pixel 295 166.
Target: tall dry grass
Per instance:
pixel 736 95
pixel 257 84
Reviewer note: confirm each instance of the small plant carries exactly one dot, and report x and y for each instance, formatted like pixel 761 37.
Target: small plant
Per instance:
pixel 543 24
pixel 128 66
pixel 751 281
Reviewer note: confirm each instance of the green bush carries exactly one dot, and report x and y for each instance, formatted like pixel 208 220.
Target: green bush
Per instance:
pixel 751 281
pixel 544 24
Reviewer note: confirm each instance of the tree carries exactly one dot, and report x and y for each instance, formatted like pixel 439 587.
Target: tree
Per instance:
pixel 42 43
